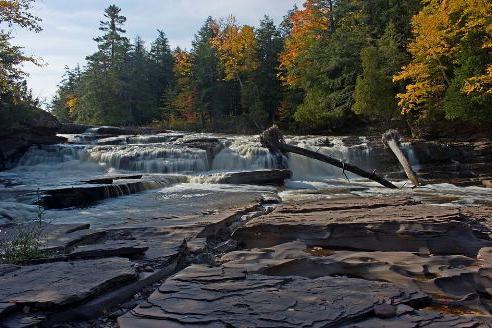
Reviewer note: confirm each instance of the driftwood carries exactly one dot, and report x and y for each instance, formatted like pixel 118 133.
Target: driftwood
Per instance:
pixel 273 139
pixel 392 139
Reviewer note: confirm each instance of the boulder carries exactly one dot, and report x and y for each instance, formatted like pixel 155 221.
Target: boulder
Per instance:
pixel 223 297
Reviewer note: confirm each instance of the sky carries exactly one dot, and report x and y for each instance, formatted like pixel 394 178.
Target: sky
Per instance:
pixel 70 25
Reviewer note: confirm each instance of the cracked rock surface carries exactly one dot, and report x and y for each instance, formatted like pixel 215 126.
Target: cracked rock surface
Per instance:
pixel 229 297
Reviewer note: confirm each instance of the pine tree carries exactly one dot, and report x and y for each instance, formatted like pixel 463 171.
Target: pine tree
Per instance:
pixel 104 87
pixel 206 75
pixel 161 73
pixel 270 44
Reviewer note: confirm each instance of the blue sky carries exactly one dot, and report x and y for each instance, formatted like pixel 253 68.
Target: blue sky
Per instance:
pixel 70 25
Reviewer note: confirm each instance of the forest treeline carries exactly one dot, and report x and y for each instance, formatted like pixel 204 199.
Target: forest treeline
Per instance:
pixel 329 65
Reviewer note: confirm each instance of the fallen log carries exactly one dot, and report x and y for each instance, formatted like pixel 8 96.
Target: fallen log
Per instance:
pixel 392 139
pixel 273 139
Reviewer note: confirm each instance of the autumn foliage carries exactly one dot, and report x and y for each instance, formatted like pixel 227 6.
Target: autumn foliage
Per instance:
pixel 448 34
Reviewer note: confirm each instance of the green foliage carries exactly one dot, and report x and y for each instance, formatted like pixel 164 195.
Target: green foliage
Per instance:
pixel 459 105
pixel 374 92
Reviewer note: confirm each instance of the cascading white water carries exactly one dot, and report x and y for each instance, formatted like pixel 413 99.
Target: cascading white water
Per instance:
pixel 51 154
pixel 152 158
pixel 304 168
pixel 246 153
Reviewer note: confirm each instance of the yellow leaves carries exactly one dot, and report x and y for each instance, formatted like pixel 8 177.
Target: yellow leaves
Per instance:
pixel 480 84
pixel 440 29
pixel 71 104
pixel 308 26
pixel 237 48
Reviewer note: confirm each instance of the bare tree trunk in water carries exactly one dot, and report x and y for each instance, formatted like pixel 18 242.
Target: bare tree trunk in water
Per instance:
pixel 392 139
pixel 273 139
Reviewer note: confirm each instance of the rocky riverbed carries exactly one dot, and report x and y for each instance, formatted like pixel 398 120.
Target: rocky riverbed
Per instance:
pixel 355 262
pixel 197 230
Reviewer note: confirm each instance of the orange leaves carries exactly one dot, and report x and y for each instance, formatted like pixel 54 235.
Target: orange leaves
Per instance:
pixel 186 95
pixel 237 49
pixel 308 26
pixel 182 66
pixel 440 29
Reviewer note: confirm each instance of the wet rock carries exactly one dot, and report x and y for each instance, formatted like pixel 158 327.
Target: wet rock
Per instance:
pixel 111 179
pixel 85 195
pixel 47 286
pixel 487 183
pixel 212 146
pixel 120 140
pixel 222 297
pixel 377 224
pixel 259 177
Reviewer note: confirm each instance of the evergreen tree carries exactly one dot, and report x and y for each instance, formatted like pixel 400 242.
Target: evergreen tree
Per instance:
pixel 270 44
pixel 375 92
pixel 141 92
pixel 104 87
pixel 161 73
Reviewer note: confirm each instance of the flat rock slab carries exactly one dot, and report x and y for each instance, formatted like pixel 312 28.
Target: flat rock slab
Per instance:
pixel 201 296
pixel 47 286
pixel 375 224
pixel 110 248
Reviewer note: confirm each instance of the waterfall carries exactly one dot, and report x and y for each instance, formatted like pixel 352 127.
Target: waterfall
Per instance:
pixel 169 153
pixel 246 153
pixel 151 158
pixel 51 154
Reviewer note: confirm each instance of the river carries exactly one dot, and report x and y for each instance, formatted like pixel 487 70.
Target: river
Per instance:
pixel 183 179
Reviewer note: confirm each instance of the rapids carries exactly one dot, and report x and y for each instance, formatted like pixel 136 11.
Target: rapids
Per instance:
pixel 182 174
